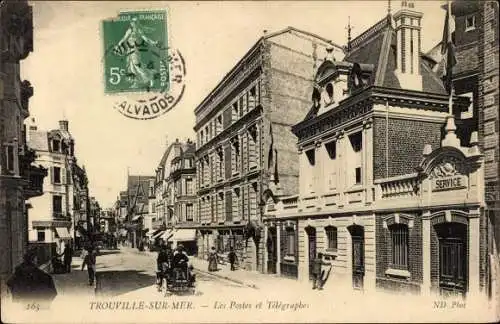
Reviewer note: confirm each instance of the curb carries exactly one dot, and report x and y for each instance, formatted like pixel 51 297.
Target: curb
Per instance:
pixel 228 279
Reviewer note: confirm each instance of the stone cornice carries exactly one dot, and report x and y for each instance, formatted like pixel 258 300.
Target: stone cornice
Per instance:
pixel 249 63
pixel 362 103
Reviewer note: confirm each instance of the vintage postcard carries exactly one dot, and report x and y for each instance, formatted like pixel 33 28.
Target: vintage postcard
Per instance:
pixel 249 161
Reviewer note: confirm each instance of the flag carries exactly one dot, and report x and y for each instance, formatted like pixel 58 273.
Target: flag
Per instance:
pixel 271 149
pixel 276 179
pixel 448 48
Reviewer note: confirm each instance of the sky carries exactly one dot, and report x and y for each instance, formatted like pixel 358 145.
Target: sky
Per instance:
pixel 66 69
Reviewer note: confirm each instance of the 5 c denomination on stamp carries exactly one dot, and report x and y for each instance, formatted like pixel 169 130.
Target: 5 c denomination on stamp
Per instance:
pixel 140 66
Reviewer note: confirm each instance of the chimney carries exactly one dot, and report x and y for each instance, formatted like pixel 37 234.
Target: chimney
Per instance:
pixel 63 125
pixel 408 28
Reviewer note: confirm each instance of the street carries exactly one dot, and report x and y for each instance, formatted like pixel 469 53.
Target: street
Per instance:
pixel 129 271
pixel 125 292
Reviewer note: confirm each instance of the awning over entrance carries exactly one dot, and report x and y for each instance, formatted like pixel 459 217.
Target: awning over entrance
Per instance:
pixel 63 233
pixel 183 235
pixel 157 235
pixel 167 235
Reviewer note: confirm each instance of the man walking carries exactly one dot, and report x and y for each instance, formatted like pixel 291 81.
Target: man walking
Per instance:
pixel 67 257
pixel 91 264
pixel 232 258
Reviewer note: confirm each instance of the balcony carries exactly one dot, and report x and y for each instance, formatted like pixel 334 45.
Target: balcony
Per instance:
pixel 35 176
pixel 58 215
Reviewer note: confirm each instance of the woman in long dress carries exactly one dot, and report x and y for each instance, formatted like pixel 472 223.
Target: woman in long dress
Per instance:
pixel 138 72
pixel 212 260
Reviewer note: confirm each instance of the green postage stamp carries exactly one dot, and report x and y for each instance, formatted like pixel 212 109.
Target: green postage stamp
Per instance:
pixel 136 55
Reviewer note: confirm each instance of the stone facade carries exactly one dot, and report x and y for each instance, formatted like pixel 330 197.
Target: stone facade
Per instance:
pixel 244 143
pixel 489 136
pixel 389 207
pixel 176 205
pixel 60 214
pixel 19 180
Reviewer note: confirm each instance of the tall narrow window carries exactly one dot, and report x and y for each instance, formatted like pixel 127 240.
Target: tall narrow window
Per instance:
pixel 57 175
pixel 358 175
pixel 331 149
pixel 356 141
pixel 311 157
pixel 57 206
pixel 331 236
pixel 290 242
pixel 55 146
pixel 189 186
pixel 189 212
pixel 9 152
pixel 399 243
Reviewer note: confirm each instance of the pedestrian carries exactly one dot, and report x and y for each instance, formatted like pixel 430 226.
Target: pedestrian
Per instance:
pixel 30 284
pixel 212 260
pixel 232 258
pixel 91 264
pixel 85 252
pixel 67 257
pixel 316 271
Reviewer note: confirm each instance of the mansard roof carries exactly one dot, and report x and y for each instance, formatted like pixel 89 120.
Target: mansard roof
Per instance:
pixel 38 140
pixel 377 46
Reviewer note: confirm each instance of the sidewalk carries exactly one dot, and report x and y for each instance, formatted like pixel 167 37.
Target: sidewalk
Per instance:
pixel 75 283
pixel 247 278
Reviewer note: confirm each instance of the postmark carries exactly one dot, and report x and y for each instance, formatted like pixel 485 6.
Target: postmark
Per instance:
pixel 141 71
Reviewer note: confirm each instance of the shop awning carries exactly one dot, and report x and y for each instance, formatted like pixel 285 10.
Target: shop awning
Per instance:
pixel 157 235
pixel 183 235
pixel 136 218
pixel 63 233
pixel 167 235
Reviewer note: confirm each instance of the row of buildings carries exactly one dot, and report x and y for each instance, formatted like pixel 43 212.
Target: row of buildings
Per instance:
pixel 44 197
pixel 359 152
pixel 65 212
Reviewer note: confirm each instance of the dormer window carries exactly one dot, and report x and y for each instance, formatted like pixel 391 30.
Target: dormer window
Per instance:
pixel 329 92
pixel 56 145
pixel 470 23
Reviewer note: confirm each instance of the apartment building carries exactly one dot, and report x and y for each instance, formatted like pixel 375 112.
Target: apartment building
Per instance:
pixel 390 207
pixel 62 209
pixel 176 203
pixel 244 142
pixel 19 180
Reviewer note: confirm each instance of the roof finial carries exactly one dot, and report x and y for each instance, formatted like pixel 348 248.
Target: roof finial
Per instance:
pixel 349 29
pixel 388 7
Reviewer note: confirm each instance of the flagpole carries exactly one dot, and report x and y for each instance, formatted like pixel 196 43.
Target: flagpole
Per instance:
pixel 450 99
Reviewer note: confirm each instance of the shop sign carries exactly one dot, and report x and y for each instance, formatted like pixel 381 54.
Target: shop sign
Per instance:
pixel 449 183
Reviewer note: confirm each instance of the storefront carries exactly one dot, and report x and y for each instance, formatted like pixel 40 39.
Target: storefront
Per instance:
pixel 430 240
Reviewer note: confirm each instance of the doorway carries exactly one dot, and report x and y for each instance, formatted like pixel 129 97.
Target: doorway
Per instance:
pixel 452 258
pixel 358 255
pixel 272 250
pixel 311 239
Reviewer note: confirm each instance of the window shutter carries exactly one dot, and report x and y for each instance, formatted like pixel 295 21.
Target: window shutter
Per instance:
pixel 52 175
pixel 63 176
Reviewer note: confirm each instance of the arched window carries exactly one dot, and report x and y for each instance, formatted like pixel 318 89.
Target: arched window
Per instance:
pixel 329 91
pixel 331 237
pixel 399 246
